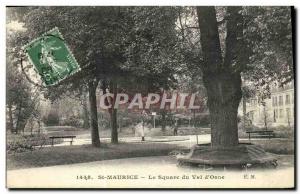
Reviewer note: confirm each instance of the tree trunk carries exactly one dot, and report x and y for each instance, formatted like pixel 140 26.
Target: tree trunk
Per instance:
pixel 112 112
pixel 19 117
pixel 221 76
pixel 31 126
pixel 120 124
pixel 39 129
pixel 114 127
pixel 194 118
pixel 163 120
pixel 224 96
pixel 86 121
pixel 288 119
pixel 265 117
pixel 113 115
pixel 23 125
pixel 93 113
pixel 244 113
pixel 11 121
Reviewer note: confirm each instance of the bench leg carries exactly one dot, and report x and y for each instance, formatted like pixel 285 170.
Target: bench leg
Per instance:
pixel 249 136
pixel 71 142
pixel 52 142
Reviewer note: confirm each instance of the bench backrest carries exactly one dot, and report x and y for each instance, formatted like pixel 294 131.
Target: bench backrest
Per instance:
pixel 71 136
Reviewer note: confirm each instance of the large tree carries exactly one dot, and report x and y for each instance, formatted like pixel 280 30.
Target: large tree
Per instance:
pixel 152 54
pixel 103 39
pixel 221 78
pixel 233 44
pixel 22 99
pixel 97 36
pixel 78 26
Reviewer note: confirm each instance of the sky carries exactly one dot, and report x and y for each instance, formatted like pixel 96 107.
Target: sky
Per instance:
pixel 15 26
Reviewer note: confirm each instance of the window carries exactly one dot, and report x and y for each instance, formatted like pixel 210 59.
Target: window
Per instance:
pixel 274 101
pixel 288 112
pixel 280 113
pixel 275 114
pixel 280 101
pixel 288 116
pixel 287 99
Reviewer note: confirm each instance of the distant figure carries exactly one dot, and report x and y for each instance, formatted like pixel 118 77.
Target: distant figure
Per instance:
pixel 175 128
pixel 133 128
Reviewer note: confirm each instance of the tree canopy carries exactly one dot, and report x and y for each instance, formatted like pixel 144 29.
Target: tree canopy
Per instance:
pixel 148 49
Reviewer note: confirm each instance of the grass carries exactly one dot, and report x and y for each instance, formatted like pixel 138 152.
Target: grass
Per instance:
pixel 276 146
pixel 50 156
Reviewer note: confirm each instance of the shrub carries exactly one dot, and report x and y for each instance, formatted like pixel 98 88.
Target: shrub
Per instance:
pixel 203 120
pixel 283 131
pixel 51 119
pixel 19 146
pixel 24 143
pixel 72 121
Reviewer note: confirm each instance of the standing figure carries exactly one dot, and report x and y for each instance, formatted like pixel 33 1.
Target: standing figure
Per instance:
pixel 175 128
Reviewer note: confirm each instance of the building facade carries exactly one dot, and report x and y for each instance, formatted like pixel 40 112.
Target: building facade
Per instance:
pixel 277 110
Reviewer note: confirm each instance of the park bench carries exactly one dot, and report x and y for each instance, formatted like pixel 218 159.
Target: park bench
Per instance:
pixel 70 137
pixel 262 133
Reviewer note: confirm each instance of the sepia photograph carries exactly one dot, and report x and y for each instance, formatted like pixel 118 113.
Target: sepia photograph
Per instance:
pixel 150 97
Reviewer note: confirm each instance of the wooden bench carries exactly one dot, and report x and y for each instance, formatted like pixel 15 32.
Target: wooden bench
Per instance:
pixel 263 133
pixel 71 137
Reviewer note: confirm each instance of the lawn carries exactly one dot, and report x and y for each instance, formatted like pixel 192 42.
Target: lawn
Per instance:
pixel 50 156
pixel 275 145
pixel 58 155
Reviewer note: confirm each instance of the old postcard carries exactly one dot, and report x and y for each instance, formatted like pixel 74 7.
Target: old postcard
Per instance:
pixel 150 97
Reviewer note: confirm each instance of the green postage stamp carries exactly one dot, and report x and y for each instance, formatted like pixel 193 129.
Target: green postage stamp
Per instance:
pixel 51 57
